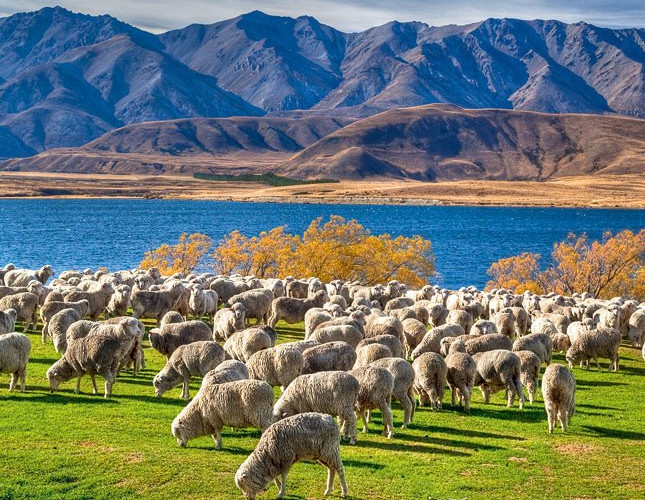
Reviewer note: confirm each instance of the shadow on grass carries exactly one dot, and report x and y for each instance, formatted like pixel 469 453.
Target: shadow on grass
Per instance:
pixel 597 383
pixel 154 399
pixel 454 443
pixel 62 397
pixel 614 433
pixel 393 445
pixel 598 407
pixel 471 433
pixel 363 465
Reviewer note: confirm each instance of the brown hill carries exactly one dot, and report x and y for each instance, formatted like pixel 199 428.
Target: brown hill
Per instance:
pixel 444 142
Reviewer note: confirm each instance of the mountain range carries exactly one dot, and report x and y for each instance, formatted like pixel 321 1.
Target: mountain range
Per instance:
pixel 66 78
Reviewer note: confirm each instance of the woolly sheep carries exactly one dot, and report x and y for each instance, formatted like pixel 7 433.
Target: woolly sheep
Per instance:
pixel 202 302
pixel 403 391
pixel 559 393
pixel 460 317
pixel 7 321
pixel 375 392
pixel 293 310
pixel 504 322
pixel 488 343
pixel 333 392
pixel 461 374
pixel 331 356
pixel 499 369
pixel 14 356
pixel 58 326
pixel 483 327
pixel 403 313
pixel 154 304
pixel 228 321
pixel 398 303
pixel 413 333
pixel 120 301
pixel 136 356
pixel 48 311
pixel 446 342
pixel 308 436
pixel 367 353
pixel 389 341
pixel 345 333
pixel 538 343
pixel 430 378
pixel 227 371
pixel 383 325
pixel 190 360
pixel 26 306
pixel 431 341
pixel 239 404
pixel 98 299
pixel 243 344
pixel 314 317
pixel 561 342
pixel 22 277
pixel 522 321
pixel 529 371
pixel 256 302
pixel 636 325
pixel 591 345
pixel 170 336
pixel 543 325
pixel 355 319
pixel 277 366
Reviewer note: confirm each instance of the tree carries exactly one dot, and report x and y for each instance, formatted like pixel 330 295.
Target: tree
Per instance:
pixel 185 256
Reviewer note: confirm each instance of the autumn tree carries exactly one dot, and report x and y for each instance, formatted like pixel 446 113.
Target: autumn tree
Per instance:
pixel 188 254
pixel 607 268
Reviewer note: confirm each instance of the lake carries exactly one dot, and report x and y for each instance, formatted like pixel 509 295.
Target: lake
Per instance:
pixel 115 233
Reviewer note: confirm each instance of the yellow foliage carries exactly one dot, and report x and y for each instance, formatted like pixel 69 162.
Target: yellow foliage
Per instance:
pixel 183 257
pixel 519 273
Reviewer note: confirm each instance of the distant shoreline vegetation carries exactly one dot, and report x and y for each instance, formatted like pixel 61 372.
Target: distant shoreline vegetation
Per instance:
pixel 270 178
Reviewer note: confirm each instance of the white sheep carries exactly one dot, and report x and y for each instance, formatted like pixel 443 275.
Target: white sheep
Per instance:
pixel 559 393
pixel 499 369
pixel 229 320
pixel 14 356
pixel 430 378
pixel 278 366
pixel 461 374
pixel 331 356
pixel 403 391
pixel 243 344
pixel 375 392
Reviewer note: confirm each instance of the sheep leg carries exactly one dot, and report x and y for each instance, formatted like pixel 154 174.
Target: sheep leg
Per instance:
pixel 412 403
pixel 78 385
pixel 44 333
pixel 283 483
pixel 466 393
pixel 350 421
pixel 330 480
pixel 453 394
pixel 363 414
pixel 217 437
pixel 185 393
pixel 388 424
pixel 14 379
pixel 550 414
pixel 95 389
pixel 562 417
pixel 109 382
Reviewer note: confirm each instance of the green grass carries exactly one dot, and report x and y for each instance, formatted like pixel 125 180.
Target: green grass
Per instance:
pixel 268 178
pixel 84 447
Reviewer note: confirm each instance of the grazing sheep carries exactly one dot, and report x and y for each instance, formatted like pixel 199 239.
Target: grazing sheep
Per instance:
pixel 432 340
pixel 576 327
pixel 529 371
pixel 636 327
pixel 229 320
pixel 190 360
pixel 559 393
pixel 26 306
pixel 48 310
pixel 22 277
pixel 601 342
pixel 170 336
pixel 243 344
pixel 461 374
pixel 483 327
pixel 58 326
pixel 171 317
pixel 98 300
pixel 99 353
pixel 332 392
pixel 202 302
pixel 308 436
pixel 346 333
pixel 398 303
pixel 14 356
pixel 389 341
pixel 120 301
pixel 277 366
pixel 227 371
pixel 561 342
pixel 355 319
pixel 257 303
pixel 155 304
pixel 367 353
pixel 293 310
pixel 375 392
pixel 403 391
pixel 413 333
pixel 227 288
pixel 499 369
pixel 430 375
pixel 239 404
pixel 332 356
pixel 538 343
pixel 8 321
pixel 136 356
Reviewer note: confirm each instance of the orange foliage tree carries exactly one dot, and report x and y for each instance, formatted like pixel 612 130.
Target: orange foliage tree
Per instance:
pixel 607 268
pixel 189 253
pixel 336 249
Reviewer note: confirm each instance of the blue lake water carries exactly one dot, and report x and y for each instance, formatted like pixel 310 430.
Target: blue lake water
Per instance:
pixel 115 233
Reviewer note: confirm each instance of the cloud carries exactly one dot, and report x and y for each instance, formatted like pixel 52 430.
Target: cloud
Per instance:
pixel 349 15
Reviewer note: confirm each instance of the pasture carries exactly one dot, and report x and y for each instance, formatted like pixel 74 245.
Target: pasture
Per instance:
pixel 80 447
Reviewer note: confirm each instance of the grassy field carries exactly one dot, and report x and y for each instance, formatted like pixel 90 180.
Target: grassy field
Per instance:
pixel 84 447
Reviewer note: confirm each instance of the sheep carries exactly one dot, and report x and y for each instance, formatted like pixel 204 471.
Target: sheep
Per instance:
pixel 559 393
pixel 293 310
pixel 522 321
pixel 155 304
pixel 383 325
pixel 7 321
pixel 367 353
pixel 170 336
pixel 190 360
pixel 58 326
pixel 403 314
pixel 297 289
pixel 239 404
pixel 277 366
pixel 120 301
pixel 375 392
pixel 561 342
pixel 14 356
pixel 229 320
pixel 99 353
pixel 538 343
pixel 243 344
pixel 48 311
pixel 529 371
pixel 22 277
pixel 136 356
pixel 543 325
pixel 461 374
pixel 171 317
pixel 636 327
pixel 389 341
pixel 483 327
pixel 505 323
pixel 98 300
pixel 338 300
pixel 227 371
pixel 26 306
pixel 596 343
pixel 403 391
pixel 257 303
pixel 331 356
pixel 446 342
pixel 413 333
pixel 430 374
pixel 431 341
pixel 398 303
pixel 227 288
pixel 499 369
pixel 314 317
pixel 576 327
pixel 355 319
pixel 333 392
pixel 202 302
pixel 460 317
pixel 488 343
pixel 308 436
pixel 346 333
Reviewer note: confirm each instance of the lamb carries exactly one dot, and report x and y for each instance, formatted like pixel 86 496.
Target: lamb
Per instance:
pixel 169 337
pixel 22 277
pixel 375 392
pixel 529 371
pixel 120 301
pixel 155 304
pixel 332 392
pixel 227 371
pixel 243 344
pixel 228 321
pixel 308 436
pixel 7 321
pixel 594 344
pixel 293 310
pixel 499 369
pixel 430 377
pixel 538 343
pixel 331 356
pixel 202 302
pixel 559 393
pixel 99 353
pixel 367 353
pixel 98 300
pixel 483 327
pixel 239 404
pixel 47 312
pixel 389 341
pixel 413 333
pixel 58 326
pixel 26 306
pixel 461 374
pixel 278 366
pixel 190 360
pixel 403 391
pixel 14 356
pixel 346 333
pixel 432 340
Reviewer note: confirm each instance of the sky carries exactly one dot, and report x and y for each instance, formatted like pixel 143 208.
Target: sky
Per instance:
pixel 349 15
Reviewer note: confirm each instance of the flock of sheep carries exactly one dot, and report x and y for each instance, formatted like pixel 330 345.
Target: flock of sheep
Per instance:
pixel 355 357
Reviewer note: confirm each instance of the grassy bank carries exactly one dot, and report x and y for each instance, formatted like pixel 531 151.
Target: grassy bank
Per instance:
pixel 79 447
